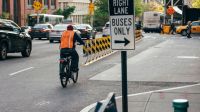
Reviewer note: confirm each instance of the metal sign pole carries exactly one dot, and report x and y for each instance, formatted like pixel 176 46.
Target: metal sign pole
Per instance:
pixel 124 81
pixel 37 17
pixel 172 16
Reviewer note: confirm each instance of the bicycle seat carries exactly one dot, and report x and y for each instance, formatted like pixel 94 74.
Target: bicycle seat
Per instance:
pixel 67 55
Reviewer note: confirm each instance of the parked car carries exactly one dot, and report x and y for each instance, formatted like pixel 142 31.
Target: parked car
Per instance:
pixel 195 28
pixel 13 39
pixel 106 30
pixel 41 31
pixel 57 31
pixel 87 31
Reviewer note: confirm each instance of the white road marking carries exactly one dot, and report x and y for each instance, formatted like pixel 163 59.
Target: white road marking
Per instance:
pixel 188 57
pixel 42 103
pixel 161 90
pixel 21 71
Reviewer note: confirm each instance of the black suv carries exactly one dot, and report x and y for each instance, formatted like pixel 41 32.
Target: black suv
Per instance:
pixel 13 39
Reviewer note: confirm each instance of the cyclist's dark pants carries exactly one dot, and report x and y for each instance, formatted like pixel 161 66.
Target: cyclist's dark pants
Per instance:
pixel 74 55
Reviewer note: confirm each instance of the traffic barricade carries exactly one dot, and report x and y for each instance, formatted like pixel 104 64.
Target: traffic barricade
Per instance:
pixel 166 29
pixel 98 48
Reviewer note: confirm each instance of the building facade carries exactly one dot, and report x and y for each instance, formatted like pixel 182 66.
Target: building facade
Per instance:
pixel 18 10
pixel 81 9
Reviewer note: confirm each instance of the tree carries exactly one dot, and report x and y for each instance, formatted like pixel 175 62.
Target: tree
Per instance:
pixel 59 12
pixel 139 8
pixel 66 12
pixel 44 11
pixel 196 3
pixel 5 15
pixel 153 6
pixel 101 15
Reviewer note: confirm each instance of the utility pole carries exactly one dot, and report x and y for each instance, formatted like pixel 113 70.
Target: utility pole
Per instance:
pixel 172 16
pixel 165 12
pixel 183 12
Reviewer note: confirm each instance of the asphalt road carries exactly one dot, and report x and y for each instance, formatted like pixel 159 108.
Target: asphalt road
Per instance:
pixel 32 84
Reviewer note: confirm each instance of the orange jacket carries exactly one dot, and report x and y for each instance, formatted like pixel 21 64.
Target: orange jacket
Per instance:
pixel 67 39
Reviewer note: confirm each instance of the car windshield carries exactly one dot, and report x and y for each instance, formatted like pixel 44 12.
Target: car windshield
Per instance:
pixel 107 25
pixel 40 26
pixel 82 26
pixel 60 27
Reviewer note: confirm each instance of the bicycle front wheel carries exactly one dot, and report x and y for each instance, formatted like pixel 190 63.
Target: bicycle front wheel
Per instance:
pixel 74 76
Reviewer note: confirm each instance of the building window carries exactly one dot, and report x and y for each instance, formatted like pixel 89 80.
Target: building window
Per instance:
pixel 46 3
pixel 53 4
pixel 30 4
pixel 5 6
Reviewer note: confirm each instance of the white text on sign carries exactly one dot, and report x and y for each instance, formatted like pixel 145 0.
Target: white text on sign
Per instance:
pixel 120 6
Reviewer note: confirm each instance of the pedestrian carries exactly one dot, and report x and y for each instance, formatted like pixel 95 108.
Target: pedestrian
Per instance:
pixel 189 26
pixel 172 28
pixel 162 28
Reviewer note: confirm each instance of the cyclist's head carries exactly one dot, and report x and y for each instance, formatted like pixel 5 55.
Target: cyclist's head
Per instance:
pixel 70 27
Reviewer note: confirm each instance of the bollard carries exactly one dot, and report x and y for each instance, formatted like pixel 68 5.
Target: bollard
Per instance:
pixel 180 105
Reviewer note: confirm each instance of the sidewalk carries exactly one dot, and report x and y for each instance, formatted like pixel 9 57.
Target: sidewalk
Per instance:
pixel 161 101
pixel 174 60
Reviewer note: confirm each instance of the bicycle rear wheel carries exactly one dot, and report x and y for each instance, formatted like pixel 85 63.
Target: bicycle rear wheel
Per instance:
pixel 64 78
pixel 74 76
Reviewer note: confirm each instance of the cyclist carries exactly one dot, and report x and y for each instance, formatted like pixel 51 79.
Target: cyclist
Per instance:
pixel 67 45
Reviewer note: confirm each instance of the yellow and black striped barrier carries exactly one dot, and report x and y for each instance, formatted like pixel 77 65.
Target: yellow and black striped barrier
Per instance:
pixel 96 49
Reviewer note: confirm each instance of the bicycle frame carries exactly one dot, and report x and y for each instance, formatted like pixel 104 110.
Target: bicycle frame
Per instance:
pixel 65 64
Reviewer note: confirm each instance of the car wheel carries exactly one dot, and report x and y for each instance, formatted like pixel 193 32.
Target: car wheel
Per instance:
pixel 50 41
pixel 3 51
pixel 183 33
pixel 27 51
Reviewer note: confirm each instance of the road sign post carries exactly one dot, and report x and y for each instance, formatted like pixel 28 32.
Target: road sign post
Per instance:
pixel 122 24
pixel 122 37
pixel 37 6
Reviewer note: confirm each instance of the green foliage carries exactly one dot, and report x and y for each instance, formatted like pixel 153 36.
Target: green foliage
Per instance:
pixel 44 11
pixel 139 8
pixel 58 12
pixel 196 3
pixel 86 19
pixel 101 15
pixel 5 15
pixel 66 12
pixel 153 6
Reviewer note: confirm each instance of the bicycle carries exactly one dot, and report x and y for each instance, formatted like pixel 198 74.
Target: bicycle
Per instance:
pixel 67 74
